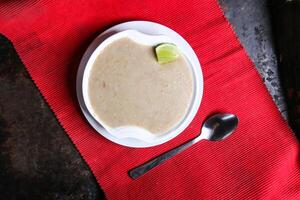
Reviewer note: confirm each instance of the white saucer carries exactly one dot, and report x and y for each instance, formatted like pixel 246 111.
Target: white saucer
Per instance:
pixel 151 29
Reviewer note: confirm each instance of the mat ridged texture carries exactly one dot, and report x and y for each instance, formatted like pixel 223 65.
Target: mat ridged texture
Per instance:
pixel 259 161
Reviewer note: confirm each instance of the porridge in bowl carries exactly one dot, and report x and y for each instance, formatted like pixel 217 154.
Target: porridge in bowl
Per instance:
pixel 128 87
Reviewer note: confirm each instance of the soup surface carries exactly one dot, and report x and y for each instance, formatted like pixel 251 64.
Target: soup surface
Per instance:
pixel 127 87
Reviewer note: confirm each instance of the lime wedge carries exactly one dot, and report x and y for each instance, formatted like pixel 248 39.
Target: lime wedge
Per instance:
pixel 166 53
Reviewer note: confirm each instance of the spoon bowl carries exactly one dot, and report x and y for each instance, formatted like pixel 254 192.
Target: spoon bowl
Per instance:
pixel 219 127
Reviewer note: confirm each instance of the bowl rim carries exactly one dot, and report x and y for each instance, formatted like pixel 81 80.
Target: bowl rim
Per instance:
pixel 94 50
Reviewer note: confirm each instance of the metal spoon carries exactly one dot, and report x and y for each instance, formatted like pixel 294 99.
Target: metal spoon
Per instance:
pixel 215 128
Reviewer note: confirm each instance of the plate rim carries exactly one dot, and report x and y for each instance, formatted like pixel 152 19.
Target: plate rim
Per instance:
pixel 155 28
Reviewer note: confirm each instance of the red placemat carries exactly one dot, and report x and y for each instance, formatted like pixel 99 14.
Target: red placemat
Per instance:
pixel 259 161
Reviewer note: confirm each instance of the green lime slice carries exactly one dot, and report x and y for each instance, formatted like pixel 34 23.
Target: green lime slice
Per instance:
pixel 166 53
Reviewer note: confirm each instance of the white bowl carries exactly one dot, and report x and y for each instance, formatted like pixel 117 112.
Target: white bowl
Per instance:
pixel 130 135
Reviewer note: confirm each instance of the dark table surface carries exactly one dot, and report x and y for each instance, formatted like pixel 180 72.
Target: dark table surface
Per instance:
pixel 38 160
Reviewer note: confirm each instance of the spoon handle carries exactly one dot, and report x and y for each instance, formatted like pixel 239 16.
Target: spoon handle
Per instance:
pixel 142 169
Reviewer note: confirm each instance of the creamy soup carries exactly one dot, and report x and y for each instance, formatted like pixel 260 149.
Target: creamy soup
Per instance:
pixel 127 87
